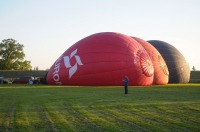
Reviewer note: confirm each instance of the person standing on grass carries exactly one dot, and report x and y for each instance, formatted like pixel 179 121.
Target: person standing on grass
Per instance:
pixel 126 80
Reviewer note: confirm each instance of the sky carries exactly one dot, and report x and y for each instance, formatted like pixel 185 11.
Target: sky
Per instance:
pixel 47 28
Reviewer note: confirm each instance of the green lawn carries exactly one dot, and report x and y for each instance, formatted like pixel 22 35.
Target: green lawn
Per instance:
pixel 64 108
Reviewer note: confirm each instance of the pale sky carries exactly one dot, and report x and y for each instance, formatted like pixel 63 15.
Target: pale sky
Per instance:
pixel 47 28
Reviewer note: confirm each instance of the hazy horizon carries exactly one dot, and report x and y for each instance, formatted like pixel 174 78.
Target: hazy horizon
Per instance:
pixel 48 28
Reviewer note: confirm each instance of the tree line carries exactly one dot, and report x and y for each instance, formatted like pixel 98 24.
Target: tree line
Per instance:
pixel 12 56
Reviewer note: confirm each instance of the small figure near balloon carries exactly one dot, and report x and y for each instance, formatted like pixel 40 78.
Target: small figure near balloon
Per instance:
pixel 126 80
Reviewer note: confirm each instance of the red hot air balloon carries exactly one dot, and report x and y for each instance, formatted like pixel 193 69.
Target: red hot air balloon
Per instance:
pixel 161 73
pixel 103 59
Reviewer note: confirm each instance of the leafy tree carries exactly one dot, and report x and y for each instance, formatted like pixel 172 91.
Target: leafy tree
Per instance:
pixel 12 56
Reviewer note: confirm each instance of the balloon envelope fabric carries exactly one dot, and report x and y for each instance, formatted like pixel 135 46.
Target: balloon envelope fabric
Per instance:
pixel 103 59
pixel 179 71
pixel 161 73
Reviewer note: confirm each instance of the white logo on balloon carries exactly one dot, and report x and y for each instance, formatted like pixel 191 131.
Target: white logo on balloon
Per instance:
pixel 73 68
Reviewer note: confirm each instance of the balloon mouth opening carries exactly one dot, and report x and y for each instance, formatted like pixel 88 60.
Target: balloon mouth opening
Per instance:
pixel 145 63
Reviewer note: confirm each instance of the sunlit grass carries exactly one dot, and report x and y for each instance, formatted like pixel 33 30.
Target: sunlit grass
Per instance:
pixel 66 108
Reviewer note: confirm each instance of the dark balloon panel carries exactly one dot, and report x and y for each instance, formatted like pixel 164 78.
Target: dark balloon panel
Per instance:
pixel 179 71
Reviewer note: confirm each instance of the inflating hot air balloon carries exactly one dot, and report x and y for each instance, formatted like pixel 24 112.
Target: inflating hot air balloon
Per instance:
pixel 161 73
pixel 103 59
pixel 179 71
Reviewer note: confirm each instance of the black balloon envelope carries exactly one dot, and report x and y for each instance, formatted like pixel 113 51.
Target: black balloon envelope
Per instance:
pixel 179 71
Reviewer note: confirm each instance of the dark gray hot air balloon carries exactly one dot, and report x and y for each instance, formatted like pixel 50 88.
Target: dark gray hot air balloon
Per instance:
pixel 179 71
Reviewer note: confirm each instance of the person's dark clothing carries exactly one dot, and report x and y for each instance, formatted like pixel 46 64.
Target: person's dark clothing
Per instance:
pixel 126 80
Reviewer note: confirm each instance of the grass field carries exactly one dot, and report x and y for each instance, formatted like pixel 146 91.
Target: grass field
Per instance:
pixel 60 108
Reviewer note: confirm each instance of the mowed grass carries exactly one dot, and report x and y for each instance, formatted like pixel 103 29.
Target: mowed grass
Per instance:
pixel 64 108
